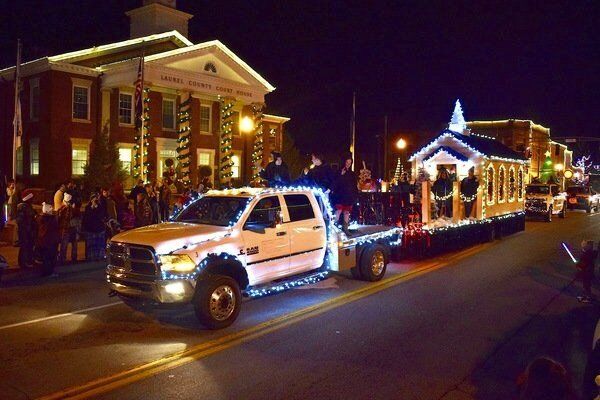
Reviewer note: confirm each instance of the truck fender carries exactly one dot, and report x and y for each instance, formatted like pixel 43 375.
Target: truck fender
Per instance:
pixel 224 264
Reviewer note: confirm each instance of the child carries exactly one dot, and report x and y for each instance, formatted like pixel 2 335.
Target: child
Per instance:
pixel 585 267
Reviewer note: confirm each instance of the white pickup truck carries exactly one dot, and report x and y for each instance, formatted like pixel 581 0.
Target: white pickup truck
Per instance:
pixel 237 242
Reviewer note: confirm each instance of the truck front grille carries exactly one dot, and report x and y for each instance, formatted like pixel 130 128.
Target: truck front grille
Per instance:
pixel 132 259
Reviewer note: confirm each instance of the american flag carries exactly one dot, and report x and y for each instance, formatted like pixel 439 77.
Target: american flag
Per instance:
pixel 139 89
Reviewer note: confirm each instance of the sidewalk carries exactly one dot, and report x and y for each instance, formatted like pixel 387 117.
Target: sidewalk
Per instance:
pixel 15 273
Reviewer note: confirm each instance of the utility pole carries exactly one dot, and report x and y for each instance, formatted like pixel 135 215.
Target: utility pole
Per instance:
pixel 17 121
pixel 353 129
pixel 385 143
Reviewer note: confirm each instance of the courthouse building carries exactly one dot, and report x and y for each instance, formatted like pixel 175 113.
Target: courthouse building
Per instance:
pixel 66 99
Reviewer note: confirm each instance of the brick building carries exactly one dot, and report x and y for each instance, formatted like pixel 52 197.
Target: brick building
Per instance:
pixel 67 98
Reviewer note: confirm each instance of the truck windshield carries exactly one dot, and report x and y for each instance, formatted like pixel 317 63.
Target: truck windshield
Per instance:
pixel 216 210
pixel 537 189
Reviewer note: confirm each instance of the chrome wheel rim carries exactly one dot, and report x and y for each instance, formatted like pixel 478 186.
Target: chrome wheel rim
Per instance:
pixel 377 263
pixel 222 303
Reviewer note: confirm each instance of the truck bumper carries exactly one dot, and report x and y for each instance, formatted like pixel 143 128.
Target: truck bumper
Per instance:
pixel 146 287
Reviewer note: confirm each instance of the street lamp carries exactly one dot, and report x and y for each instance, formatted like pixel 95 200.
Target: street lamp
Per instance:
pixel 401 144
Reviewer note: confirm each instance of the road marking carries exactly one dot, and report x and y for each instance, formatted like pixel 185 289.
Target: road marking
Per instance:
pixel 115 381
pixel 51 317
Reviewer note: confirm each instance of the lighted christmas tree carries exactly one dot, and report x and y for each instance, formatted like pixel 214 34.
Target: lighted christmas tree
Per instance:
pixel 547 169
pixel 457 123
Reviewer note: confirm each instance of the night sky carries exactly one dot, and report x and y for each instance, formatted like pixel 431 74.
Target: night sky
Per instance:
pixel 409 60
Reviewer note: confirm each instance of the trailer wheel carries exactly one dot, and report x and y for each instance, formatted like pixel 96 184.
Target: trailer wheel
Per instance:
pixel 373 263
pixel 217 301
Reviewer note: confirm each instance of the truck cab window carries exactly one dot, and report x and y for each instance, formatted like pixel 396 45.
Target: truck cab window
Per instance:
pixel 299 207
pixel 265 212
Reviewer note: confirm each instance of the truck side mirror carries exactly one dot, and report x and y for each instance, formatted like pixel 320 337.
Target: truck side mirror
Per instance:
pixel 256 228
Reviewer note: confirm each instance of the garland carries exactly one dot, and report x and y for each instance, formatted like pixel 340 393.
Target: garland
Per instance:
pixel 444 197
pixel 183 141
pixel 468 199
pixel 142 135
pixel 225 150
pixel 258 151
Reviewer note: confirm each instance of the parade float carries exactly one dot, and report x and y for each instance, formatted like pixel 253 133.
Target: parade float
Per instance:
pixel 456 212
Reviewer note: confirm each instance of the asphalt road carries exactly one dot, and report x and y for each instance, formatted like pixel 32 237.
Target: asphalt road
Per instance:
pixel 462 326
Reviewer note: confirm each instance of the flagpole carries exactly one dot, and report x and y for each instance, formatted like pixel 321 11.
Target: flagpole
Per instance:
pixel 17 117
pixel 142 133
pixel 353 144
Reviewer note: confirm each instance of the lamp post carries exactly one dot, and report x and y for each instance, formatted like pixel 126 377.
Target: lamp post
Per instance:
pixel 401 146
pixel 246 126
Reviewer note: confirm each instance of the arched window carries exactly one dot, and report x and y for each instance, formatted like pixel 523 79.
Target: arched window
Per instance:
pixel 520 184
pixel 210 67
pixel 501 184
pixel 491 196
pixel 512 184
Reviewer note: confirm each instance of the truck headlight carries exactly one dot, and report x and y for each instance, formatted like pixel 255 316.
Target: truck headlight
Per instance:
pixel 177 263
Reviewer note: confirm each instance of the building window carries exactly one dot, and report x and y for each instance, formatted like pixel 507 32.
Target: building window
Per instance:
pixel 203 158
pixel 501 185
pixel 235 168
pixel 125 108
pixel 81 102
pixel 34 156
pixel 512 182
pixel 163 156
pixel 34 99
pixel 210 67
pixel 205 119
pixel 79 157
pixel 520 184
pixel 125 156
pixel 20 160
pixel 490 185
pixel 168 113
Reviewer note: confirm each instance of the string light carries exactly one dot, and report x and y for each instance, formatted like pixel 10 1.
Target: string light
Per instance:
pixel 183 141
pixel 258 150
pixel 225 146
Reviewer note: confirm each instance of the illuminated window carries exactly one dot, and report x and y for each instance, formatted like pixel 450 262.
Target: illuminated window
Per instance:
pixel 81 102
pixel 490 185
pixel 168 113
pixel 34 156
pixel 126 156
pixel 511 184
pixel 236 166
pixel 520 184
pixel 163 156
pixel 203 158
pixel 79 158
pixel 501 185
pixel 205 119
pixel 20 161
pixel 126 108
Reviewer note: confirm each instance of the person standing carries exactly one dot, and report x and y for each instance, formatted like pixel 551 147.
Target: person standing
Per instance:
pixel 13 199
pixel 319 174
pixel 164 196
pixel 143 211
pixel 48 239
pixel 59 196
pixel 3 198
pixel 344 193
pixel 442 192
pixel 276 172
pixel 26 231
pixel 585 267
pixel 468 191
pixel 404 189
pixel 65 216
pixel 94 230
pixel 152 199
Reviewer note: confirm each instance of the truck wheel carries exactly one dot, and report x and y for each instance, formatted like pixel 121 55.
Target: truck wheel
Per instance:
pixel 217 301
pixel 373 263
pixel 549 215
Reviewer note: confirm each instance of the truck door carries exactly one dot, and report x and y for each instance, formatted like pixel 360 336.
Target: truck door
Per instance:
pixel 308 234
pixel 266 242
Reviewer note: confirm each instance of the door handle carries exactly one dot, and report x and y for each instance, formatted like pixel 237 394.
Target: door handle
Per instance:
pixel 317 227
pixel 281 233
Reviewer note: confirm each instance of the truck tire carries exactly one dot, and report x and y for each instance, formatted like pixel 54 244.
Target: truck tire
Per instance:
pixel 373 263
pixel 217 301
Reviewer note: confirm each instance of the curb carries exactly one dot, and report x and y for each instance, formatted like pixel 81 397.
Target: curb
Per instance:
pixel 16 275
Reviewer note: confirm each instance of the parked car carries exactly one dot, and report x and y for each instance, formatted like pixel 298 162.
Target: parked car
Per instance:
pixel 583 198
pixel 545 200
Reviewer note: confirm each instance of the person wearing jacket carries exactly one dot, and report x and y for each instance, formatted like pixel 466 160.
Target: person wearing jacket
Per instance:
pixel 319 174
pixel 94 230
pixel 585 267
pixel 26 231
pixel 468 191
pixel 344 193
pixel 67 220
pixel 442 192
pixel 48 239
pixel 142 210
pixel 276 172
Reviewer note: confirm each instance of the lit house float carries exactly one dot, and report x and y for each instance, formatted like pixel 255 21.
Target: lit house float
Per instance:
pixel 500 172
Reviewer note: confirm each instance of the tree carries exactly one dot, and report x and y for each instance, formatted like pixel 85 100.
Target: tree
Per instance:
pixel 457 123
pixel 104 168
pixel 291 155
pixel 547 169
